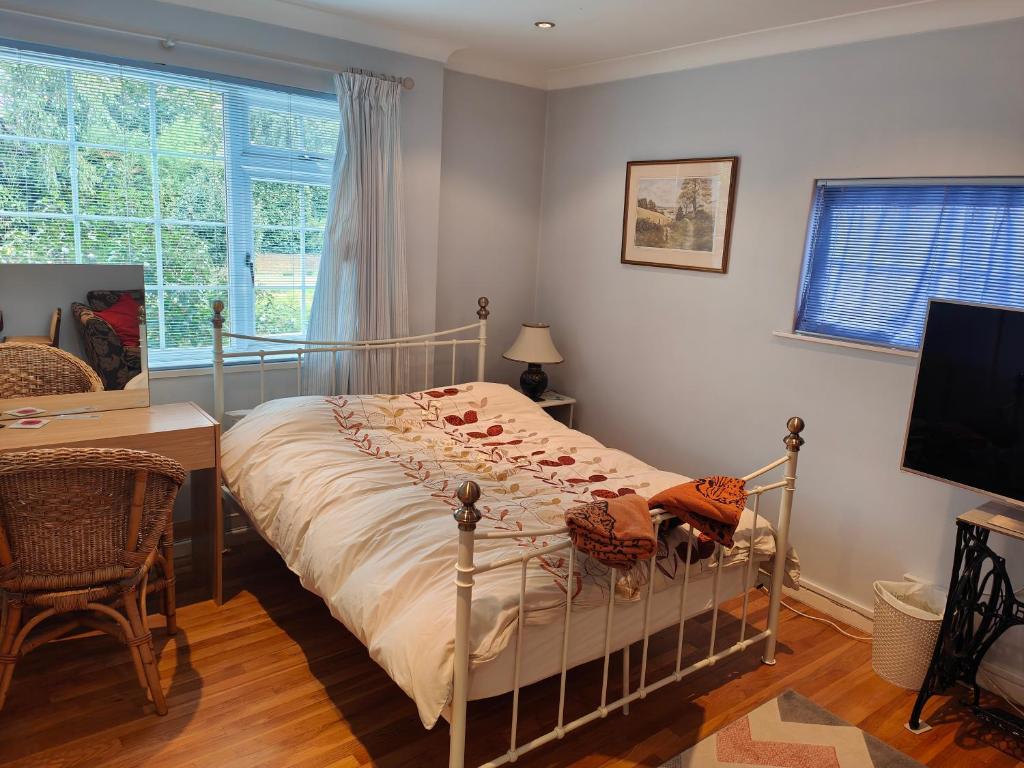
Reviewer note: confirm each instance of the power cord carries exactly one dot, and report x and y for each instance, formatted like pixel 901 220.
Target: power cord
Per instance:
pixel 832 624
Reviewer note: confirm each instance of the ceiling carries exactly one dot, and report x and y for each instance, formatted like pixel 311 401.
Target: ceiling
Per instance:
pixel 597 40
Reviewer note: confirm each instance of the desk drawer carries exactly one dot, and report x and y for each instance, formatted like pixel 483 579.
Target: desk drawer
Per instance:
pixel 192 448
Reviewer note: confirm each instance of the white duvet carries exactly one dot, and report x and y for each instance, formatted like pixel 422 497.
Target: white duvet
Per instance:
pixel 357 493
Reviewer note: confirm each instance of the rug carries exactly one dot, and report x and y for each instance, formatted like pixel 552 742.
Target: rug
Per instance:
pixel 791 732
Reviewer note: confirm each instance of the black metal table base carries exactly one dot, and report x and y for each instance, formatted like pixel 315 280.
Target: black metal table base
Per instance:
pixel 980 607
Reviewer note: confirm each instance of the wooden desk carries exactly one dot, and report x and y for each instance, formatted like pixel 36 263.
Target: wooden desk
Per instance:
pixel 181 431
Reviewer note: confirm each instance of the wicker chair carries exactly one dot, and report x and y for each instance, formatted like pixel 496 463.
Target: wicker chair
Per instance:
pixel 28 370
pixel 81 529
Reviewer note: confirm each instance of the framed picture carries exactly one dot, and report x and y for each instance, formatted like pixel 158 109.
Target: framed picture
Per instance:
pixel 678 213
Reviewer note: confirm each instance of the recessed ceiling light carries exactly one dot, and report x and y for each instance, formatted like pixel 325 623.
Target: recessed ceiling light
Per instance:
pixel 544 24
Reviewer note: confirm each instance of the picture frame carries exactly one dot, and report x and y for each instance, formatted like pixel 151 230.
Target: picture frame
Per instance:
pixel 678 213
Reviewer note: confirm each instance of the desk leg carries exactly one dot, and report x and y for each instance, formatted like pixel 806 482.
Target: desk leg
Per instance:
pixel 931 684
pixel 208 530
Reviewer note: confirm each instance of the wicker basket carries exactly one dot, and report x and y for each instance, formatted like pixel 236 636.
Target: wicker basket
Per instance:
pixel 908 617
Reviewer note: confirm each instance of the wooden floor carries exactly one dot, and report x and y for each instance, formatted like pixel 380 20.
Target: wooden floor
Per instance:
pixel 270 679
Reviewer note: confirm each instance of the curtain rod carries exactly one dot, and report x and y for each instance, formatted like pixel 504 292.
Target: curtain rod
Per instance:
pixel 168 44
pixel 407 82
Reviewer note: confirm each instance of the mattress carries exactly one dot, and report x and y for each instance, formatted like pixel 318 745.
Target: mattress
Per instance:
pixel 356 493
pixel 542 645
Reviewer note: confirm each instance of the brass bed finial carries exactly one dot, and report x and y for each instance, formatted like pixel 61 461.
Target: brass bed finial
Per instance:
pixel 218 307
pixel 483 313
pixel 467 515
pixel 793 441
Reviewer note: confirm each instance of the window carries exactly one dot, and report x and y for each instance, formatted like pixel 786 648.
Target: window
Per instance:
pixel 878 250
pixel 220 189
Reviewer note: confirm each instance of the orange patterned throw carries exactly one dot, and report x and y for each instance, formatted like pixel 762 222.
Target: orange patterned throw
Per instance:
pixel 711 505
pixel 616 532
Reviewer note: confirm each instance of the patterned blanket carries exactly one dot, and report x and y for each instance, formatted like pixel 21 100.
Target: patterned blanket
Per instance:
pixel 356 493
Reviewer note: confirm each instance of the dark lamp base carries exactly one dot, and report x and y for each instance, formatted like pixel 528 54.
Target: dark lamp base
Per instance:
pixel 534 381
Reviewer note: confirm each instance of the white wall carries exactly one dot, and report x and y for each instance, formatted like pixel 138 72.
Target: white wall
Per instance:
pixel 680 367
pixel 491 163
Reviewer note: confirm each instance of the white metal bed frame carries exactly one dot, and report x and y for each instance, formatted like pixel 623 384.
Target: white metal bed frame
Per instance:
pixel 467 568
pixel 286 348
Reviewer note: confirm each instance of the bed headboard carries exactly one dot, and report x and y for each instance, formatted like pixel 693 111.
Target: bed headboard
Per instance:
pixel 263 351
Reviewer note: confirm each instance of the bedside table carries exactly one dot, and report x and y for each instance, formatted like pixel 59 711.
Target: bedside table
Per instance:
pixel 552 399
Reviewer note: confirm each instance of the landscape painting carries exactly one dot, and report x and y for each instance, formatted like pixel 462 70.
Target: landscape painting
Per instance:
pixel 676 213
pixel 679 213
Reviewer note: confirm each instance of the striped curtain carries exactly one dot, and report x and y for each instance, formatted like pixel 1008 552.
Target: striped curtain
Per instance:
pixel 361 291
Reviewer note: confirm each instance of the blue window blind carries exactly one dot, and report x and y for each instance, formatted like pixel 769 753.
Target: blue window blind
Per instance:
pixel 877 251
pixel 219 188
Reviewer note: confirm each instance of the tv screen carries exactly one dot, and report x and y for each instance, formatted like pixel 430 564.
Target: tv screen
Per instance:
pixel 967 419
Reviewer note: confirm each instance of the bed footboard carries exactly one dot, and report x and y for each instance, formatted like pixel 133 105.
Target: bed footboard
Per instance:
pixel 466 569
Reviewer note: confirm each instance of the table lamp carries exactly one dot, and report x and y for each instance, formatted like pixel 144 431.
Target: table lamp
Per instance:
pixel 534 347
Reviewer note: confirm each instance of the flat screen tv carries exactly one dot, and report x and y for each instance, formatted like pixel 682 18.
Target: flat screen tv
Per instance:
pixel 966 423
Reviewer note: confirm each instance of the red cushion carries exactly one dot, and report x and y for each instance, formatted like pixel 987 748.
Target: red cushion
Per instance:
pixel 123 317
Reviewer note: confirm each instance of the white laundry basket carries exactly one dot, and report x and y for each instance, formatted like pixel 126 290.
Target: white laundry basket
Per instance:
pixel 908 616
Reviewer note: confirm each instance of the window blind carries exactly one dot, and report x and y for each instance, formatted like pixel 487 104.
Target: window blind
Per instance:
pixel 878 251
pixel 220 189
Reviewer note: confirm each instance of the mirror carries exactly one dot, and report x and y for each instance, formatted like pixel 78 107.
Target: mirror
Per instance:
pixel 72 340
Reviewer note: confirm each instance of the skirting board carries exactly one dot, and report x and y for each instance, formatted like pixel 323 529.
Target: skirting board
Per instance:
pixel 236 528
pixel 833 605
pixel 997 678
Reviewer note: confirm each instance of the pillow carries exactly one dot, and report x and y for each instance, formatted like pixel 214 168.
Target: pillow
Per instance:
pixel 123 317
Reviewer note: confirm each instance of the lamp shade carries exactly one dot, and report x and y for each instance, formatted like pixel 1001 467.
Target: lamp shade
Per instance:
pixel 534 345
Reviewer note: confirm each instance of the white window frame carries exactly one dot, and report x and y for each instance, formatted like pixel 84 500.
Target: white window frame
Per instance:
pixel 243 162
pixel 260 163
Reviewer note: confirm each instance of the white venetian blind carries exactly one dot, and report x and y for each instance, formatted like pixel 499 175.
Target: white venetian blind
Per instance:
pixel 219 188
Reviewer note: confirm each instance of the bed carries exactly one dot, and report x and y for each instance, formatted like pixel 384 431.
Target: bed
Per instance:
pixel 357 494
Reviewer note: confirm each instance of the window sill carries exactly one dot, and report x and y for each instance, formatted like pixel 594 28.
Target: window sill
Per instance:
pixel 892 351
pixel 207 370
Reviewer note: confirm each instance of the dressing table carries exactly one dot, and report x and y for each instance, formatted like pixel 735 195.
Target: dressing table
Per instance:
pixel 181 431
pixel 110 406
